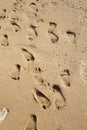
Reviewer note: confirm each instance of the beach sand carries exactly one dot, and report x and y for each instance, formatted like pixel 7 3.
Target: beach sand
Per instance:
pixel 43 65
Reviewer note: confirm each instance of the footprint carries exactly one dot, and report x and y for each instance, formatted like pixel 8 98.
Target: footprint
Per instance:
pixel 72 36
pixel 40 20
pixel 44 5
pixel 36 73
pixel 54 38
pixel 39 97
pixel 18 5
pixel 41 80
pixel 31 123
pixel 15 72
pixel 32 33
pixel 3 113
pixel 33 6
pixel 3 14
pixel 15 26
pixel 13 17
pixel 60 101
pixel 65 77
pixel 28 56
pixel 52 26
pixel 31 15
pixel 4 40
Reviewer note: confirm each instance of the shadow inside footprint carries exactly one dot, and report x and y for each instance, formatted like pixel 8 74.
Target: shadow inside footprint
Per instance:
pixel 4 40
pixel 28 56
pixel 72 36
pixel 32 32
pixel 54 38
pixel 60 101
pixel 58 89
pixel 52 26
pixel 16 27
pixel 31 123
pixel 34 28
pixel 43 101
pixel 33 6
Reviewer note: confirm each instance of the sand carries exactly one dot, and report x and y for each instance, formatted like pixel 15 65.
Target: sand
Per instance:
pixel 43 65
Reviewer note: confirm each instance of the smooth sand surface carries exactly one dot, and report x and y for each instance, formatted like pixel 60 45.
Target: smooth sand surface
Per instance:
pixel 43 64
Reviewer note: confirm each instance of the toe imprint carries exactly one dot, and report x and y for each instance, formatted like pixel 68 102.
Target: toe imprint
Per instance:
pixel 37 70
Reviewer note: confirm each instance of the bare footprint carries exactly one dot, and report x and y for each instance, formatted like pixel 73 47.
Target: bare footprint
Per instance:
pixel 41 81
pixel 4 40
pixel 32 33
pixel 39 97
pixel 3 14
pixel 31 123
pixel 15 26
pixel 52 26
pixel 54 38
pixel 65 77
pixel 3 113
pixel 60 101
pixel 31 15
pixel 40 20
pixel 33 6
pixel 27 55
pixel 15 72
pixel 44 5
pixel 18 5
pixel 72 36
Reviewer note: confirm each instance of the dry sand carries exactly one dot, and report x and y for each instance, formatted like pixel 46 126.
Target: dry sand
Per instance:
pixel 43 64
